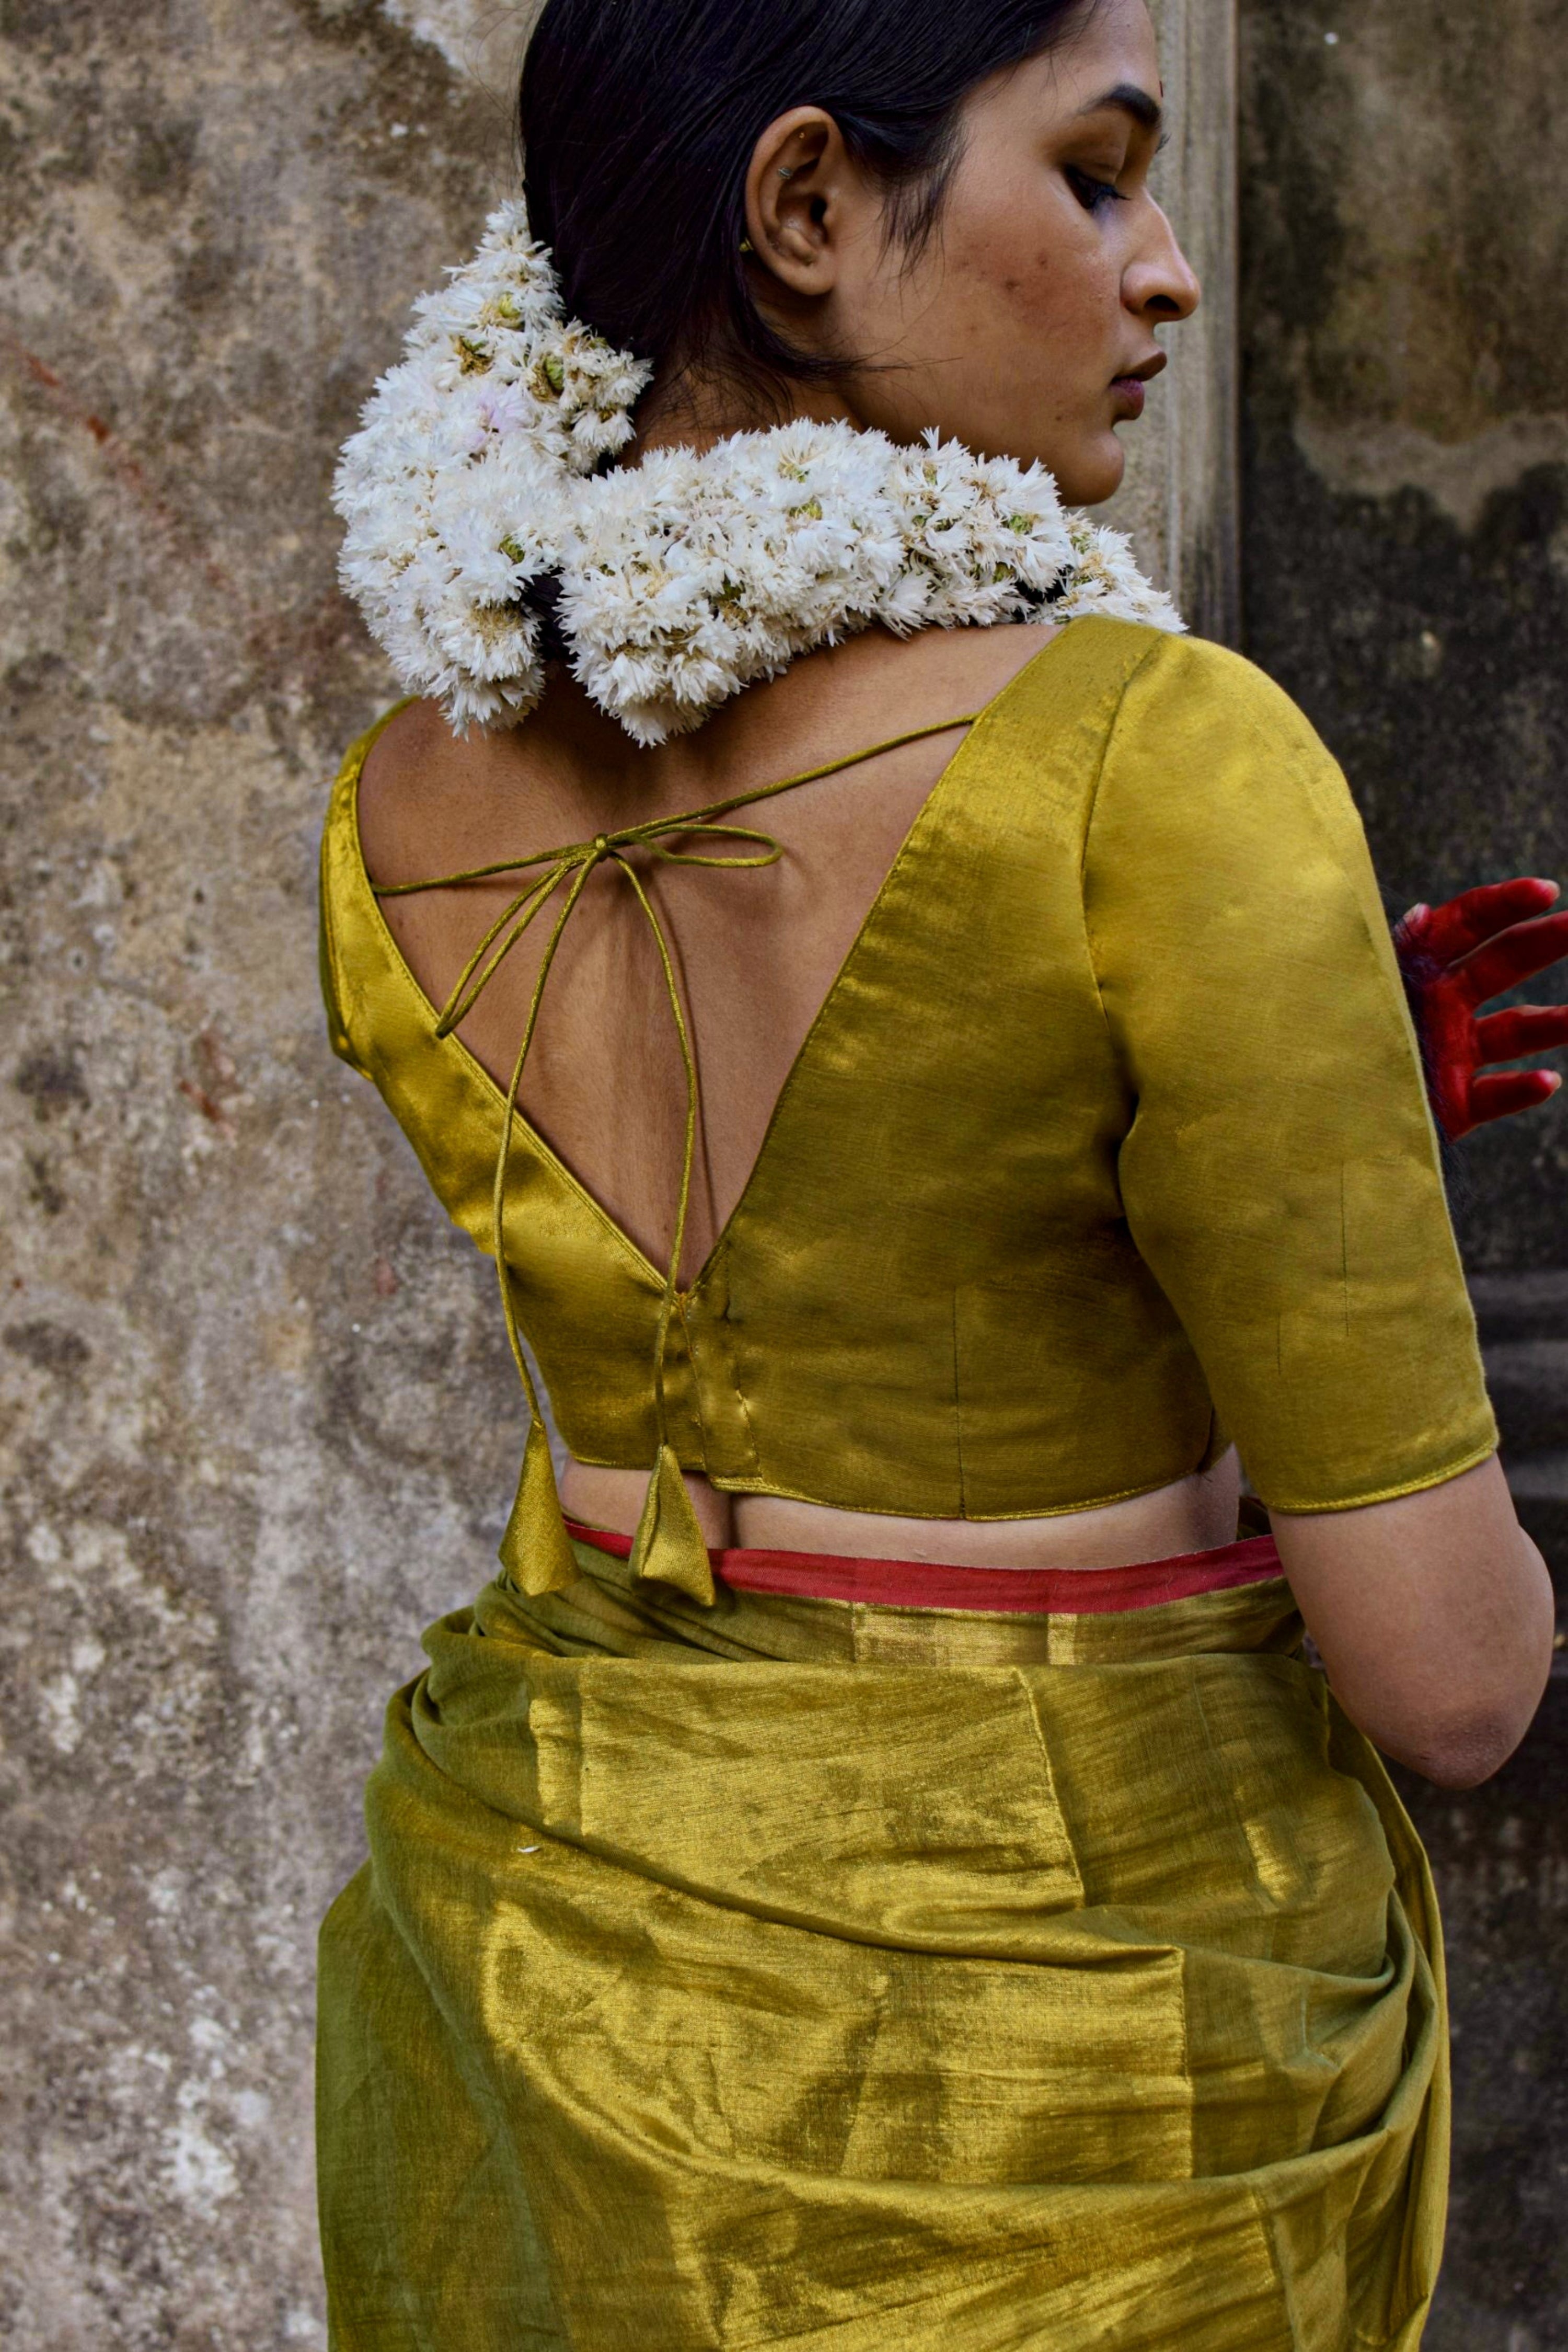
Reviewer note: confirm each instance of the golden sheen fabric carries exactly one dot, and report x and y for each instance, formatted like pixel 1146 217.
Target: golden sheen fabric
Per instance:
pixel 879 1979
pixel 1113 1118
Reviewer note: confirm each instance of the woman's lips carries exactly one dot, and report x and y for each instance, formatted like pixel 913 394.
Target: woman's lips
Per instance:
pixel 1129 394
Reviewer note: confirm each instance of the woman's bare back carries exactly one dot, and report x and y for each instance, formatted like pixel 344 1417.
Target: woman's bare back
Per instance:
pixel 755 952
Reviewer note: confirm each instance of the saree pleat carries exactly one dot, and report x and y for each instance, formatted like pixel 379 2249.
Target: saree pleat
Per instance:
pixel 809 1972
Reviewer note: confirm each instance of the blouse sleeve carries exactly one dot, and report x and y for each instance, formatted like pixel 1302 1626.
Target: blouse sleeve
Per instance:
pixel 1280 1175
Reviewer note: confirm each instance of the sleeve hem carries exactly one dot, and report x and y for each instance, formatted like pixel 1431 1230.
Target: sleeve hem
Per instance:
pixel 1418 1485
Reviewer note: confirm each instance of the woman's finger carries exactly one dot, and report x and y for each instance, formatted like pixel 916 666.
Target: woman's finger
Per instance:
pixel 1462 924
pixel 1522 1029
pixel 1500 1096
pixel 1516 954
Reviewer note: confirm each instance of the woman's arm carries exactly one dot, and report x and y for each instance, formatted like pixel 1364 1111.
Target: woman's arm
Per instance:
pixel 1280 1177
pixel 1434 1616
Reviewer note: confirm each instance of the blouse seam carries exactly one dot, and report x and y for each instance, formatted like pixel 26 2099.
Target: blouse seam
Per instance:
pixel 958 1417
pixel 1394 998
pixel 1109 739
pixel 746 1416
pixel 697 1412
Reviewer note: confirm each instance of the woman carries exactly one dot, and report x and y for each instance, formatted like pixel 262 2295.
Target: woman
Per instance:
pixel 889 1878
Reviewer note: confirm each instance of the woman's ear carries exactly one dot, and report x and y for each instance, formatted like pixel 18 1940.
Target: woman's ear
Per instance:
pixel 801 188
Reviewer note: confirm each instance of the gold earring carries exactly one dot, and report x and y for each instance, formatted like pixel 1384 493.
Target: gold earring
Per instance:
pixel 746 246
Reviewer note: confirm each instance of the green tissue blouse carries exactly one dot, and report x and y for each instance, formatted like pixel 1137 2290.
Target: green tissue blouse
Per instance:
pixel 1109 1134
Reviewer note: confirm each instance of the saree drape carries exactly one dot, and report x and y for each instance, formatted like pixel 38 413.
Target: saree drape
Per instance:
pixel 830 1974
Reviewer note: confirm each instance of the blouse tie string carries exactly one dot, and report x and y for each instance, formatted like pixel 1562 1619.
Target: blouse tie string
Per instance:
pixel 536 1549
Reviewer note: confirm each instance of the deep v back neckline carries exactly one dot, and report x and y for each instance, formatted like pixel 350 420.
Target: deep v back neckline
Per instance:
pixel 533 1141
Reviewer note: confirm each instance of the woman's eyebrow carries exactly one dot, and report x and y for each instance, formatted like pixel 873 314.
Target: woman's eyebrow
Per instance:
pixel 1128 98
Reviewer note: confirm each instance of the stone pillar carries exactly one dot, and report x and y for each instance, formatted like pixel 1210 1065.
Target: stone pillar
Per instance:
pixel 1179 497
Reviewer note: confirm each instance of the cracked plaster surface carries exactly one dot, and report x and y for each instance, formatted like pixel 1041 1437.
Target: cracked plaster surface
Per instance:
pixel 468 33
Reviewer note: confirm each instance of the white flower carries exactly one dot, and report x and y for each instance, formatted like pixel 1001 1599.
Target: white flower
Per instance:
pixel 474 476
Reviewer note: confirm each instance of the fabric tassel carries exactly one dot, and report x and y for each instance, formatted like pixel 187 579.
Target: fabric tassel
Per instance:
pixel 536 1550
pixel 668 1544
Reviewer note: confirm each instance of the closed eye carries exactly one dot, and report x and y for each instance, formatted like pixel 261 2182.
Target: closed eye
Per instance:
pixel 1094 195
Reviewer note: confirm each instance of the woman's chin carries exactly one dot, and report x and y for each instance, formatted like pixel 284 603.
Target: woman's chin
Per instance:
pixel 1093 473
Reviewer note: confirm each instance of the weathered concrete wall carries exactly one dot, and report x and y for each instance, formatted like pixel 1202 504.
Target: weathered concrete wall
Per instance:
pixel 1404 280
pixel 1405 267
pixel 259 1422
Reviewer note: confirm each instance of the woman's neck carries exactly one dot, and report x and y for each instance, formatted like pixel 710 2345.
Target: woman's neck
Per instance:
pixel 692 407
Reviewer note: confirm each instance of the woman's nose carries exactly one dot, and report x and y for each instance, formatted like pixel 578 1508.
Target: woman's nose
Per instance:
pixel 1161 283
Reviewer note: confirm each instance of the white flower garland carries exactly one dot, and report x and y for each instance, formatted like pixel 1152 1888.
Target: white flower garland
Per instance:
pixel 686 578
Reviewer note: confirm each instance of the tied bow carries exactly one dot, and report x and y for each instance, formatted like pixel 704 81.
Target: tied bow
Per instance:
pixel 536 1549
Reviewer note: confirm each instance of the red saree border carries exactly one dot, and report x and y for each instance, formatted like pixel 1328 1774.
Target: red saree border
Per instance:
pixel 992 1592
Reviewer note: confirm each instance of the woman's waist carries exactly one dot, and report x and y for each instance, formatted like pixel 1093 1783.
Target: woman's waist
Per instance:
pixel 1172 1520
pixel 883 1583
pixel 826 1609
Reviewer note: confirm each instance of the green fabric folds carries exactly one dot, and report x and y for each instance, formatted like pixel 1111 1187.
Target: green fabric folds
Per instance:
pixel 785 1971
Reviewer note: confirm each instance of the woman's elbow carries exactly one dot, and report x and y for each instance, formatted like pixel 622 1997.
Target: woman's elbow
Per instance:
pixel 1433 1614
pixel 1460 1735
pixel 1463 1750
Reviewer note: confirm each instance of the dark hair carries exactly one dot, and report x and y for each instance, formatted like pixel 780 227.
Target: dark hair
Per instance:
pixel 638 119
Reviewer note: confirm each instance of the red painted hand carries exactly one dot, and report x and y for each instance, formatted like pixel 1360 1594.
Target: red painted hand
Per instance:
pixel 1457 956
